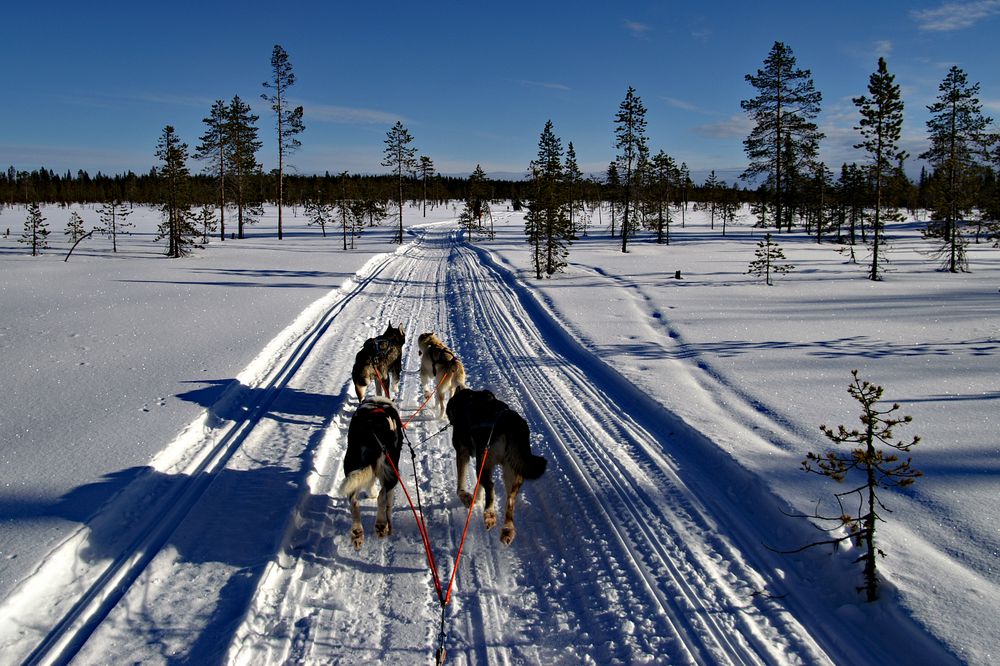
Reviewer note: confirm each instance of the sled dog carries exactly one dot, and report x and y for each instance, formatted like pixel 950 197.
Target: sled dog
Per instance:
pixel 436 360
pixel 380 360
pixel 375 432
pixel 480 421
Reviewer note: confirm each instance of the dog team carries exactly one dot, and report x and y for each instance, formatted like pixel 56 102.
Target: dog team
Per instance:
pixel 481 424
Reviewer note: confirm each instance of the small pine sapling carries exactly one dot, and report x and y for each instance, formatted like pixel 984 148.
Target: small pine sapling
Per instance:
pixel 74 228
pixel 881 468
pixel 36 231
pixel 205 218
pixel 766 258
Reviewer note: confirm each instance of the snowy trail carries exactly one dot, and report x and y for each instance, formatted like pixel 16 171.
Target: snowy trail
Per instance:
pixel 618 558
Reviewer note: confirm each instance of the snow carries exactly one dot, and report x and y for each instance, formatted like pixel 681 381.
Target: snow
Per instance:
pixel 177 426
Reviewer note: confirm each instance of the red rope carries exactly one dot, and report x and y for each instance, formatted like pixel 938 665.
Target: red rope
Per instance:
pixel 421 525
pixel 465 531
pixel 421 408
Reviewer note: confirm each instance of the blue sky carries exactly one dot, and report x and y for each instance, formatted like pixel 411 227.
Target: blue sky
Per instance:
pixel 91 85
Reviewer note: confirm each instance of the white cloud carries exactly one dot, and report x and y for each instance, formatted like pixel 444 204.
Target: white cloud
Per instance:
pixel 955 15
pixel 542 84
pixel 681 104
pixel 738 125
pixel 883 47
pixel 637 29
pixel 348 115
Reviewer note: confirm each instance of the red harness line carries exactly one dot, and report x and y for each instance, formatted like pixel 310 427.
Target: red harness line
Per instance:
pixel 444 596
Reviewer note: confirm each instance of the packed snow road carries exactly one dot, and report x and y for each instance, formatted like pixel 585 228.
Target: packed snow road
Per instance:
pixel 233 546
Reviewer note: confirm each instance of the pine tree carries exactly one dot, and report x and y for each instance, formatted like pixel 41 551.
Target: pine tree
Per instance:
pixel 958 136
pixel 36 231
pixel 401 158
pixel 114 221
pixel 477 202
pixel 664 176
pixel 546 223
pixel 212 149
pixel 75 228
pixel 175 203
pixel 242 144
pixel 318 211
pixel 710 196
pixel 880 469
pixel 766 256
pixel 880 127
pixel 573 179
pixel 613 185
pixel 288 120
pixel 630 139
pixel 784 131
pixel 426 171
pixel 685 183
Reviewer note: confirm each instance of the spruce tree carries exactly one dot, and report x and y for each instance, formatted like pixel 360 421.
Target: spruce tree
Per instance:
pixel 114 221
pixel 630 140
pixel 546 223
pixel 880 468
pixel 242 144
pixel 36 231
pixel 959 138
pixel 783 112
pixel 288 120
pixel 766 258
pixel 175 203
pixel 880 127
pixel 401 158
pixel 212 149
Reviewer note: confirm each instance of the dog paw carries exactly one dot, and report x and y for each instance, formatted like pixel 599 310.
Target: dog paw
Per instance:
pixel 383 530
pixel 357 537
pixel 466 498
pixel 490 518
pixel 507 535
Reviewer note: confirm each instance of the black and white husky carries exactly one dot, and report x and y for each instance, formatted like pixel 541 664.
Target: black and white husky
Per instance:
pixel 375 432
pixel 480 421
pixel 381 360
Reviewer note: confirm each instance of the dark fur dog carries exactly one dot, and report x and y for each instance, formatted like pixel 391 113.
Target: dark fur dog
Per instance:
pixel 480 421
pixel 375 425
pixel 380 360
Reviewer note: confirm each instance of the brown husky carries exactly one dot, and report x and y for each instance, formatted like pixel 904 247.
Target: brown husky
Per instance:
pixel 482 422
pixel 439 364
pixel 381 360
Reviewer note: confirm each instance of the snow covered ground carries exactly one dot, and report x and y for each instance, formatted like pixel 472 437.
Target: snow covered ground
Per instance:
pixel 173 432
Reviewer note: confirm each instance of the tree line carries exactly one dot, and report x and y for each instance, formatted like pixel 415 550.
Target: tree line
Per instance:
pixel 785 184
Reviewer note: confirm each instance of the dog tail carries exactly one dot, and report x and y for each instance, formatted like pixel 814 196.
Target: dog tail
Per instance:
pixel 357 480
pixel 526 463
pixel 533 466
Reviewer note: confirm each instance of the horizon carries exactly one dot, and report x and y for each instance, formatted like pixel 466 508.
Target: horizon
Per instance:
pixel 79 104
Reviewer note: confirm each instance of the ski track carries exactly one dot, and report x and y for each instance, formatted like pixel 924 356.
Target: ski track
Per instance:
pixel 616 560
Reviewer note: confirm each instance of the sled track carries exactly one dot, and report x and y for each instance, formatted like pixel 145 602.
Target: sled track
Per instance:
pixel 652 530
pixel 69 635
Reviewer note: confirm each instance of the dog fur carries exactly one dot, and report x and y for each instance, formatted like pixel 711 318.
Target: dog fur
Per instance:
pixel 380 357
pixel 375 424
pixel 480 421
pixel 436 360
